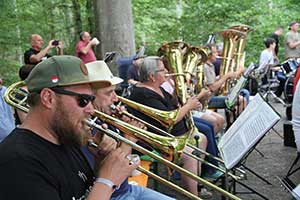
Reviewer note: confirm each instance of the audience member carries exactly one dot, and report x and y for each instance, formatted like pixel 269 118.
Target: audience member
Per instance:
pixel 278 32
pixel 84 48
pixel 292 41
pixel 6 114
pixel 42 158
pixel 105 98
pixel 36 54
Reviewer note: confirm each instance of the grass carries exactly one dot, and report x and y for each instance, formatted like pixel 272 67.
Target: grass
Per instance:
pixel 9 71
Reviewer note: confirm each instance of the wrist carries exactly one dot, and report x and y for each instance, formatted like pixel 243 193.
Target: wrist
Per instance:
pixel 107 182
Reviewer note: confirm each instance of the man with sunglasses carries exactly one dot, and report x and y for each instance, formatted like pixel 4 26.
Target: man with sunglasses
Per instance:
pixel 41 159
pixel 105 97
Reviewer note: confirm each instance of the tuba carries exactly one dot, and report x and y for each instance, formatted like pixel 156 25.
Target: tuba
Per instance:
pixel 231 37
pixel 240 47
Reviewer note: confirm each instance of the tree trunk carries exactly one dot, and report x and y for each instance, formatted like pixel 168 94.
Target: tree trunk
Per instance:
pixel 90 16
pixel 18 33
pixel 77 16
pixel 114 27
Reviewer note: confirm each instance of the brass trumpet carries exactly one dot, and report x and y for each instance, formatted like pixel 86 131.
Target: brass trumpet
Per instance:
pixel 176 144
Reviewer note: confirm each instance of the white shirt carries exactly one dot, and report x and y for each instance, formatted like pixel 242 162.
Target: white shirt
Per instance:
pixel 296 116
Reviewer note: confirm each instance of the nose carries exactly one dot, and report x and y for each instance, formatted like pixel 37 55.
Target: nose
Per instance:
pixel 114 97
pixel 89 108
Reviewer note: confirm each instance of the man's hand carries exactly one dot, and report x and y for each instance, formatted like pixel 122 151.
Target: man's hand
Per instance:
pixel 204 94
pixel 116 167
pixel 194 103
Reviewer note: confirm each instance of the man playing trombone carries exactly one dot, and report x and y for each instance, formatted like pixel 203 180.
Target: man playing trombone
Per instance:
pixel 41 159
pixel 105 97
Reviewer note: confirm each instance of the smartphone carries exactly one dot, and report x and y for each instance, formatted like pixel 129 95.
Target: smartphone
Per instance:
pixel 55 42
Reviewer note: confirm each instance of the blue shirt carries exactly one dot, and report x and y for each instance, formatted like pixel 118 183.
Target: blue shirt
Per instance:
pixel 7 122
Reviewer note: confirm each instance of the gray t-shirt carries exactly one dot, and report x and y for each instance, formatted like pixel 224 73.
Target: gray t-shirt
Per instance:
pixel 292 52
pixel 210 73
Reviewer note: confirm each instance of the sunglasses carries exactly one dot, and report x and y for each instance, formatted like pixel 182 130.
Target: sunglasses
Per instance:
pixel 82 99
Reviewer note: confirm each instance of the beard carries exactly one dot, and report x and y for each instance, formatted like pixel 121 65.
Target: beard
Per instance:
pixel 65 130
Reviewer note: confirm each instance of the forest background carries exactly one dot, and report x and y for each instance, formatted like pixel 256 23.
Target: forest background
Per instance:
pixel 152 22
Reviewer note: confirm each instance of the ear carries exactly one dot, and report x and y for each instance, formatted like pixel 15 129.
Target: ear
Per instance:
pixel 47 98
pixel 151 78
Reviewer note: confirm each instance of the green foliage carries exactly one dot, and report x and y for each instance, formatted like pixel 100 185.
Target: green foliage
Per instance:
pixel 155 22
pixel 9 72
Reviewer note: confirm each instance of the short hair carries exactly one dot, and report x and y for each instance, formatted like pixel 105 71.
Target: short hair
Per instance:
pixel 81 35
pixel 280 27
pixel 25 70
pixel 268 42
pixel 33 99
pixel 210 46
pixel 148 66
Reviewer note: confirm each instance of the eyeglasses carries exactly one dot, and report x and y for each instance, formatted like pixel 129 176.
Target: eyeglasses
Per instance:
pixel 82 99
pixel 160 70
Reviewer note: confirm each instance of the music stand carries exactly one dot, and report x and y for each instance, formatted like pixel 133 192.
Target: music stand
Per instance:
pixel 245 134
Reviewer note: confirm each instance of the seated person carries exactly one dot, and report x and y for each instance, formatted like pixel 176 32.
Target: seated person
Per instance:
pixel 23 74
pixel 149 92
pixel 266 62
pixel 36 54
pixel 105 97
pixel 216 83
pixel 6 116
pixel 44 154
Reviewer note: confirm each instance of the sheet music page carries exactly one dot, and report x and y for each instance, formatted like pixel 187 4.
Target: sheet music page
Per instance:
pixel 251 125
pixel 234 93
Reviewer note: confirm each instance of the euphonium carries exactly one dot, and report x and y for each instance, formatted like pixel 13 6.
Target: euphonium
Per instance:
pixel 231 38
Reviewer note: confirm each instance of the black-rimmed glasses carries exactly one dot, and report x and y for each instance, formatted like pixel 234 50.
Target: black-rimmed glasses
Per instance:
pixel 82 99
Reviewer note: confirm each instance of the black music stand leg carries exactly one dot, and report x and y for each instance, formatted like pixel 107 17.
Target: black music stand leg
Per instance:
pixel 259 152
pixel 277 133
pixel 290 172
pixel 252 191
pixel 257 175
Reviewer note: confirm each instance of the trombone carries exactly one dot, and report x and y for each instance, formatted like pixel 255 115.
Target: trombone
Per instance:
pixel 173 144
pixel 160 117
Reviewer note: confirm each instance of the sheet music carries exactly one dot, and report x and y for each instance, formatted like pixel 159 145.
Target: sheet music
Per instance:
pixel 234 93
pixel 250 126
pixel 296 192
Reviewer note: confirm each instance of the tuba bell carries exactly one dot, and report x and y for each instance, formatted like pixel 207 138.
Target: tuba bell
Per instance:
pixel 239 55
pixel 231 37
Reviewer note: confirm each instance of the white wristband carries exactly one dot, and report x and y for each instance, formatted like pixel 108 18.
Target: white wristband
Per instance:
pixel 107 182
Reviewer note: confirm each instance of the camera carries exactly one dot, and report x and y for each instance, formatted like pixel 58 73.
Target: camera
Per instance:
pixel 55 42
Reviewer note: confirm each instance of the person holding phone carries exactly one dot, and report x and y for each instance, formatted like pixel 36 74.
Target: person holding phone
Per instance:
pixel 36 54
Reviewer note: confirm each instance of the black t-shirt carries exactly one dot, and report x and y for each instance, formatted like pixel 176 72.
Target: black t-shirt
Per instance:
pixel 150 98
pixel 31 52
pixel 32 168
